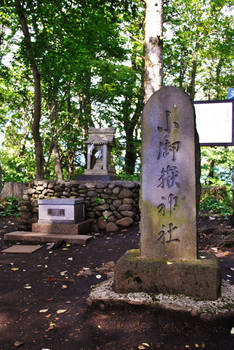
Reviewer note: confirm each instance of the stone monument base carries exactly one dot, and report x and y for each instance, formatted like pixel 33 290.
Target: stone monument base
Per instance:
pixel 199 278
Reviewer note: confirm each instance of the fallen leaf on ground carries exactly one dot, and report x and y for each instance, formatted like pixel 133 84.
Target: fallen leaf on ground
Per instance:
pixel 18 343
pixel 14 268
pixel 27 286
pixel 143 346
pixel 61 311
pixel 51 327
pixel 63 273
pixel 221 254
pixel 43 310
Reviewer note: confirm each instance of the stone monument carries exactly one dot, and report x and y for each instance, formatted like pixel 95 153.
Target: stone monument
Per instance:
pixel 168 260
pixel 99 166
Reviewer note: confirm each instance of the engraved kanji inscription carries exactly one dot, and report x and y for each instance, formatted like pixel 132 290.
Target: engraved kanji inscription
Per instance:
pixel 166 147
pixel 56 212
pixel 165 235
pixel 169 177
pixel 167 128
pixel 172 204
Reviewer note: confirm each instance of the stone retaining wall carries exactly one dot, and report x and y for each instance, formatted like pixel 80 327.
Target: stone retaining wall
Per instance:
pixel 111 205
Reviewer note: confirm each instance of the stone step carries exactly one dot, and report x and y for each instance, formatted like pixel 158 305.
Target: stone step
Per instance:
pixel 45 237
pixel 66 229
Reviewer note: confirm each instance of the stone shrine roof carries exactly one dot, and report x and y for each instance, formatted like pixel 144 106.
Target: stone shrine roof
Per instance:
pixel 101 136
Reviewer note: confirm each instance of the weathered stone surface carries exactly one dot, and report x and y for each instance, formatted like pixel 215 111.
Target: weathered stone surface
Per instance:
pixel 31 191
pixel 127 213
pixel 125 193
pixel 69 229
pixel 111 227
pixel 25 197
pixel 116 203
pixel 100 185
pixel 92 194
pixel 104 195
pixel 128 201
pixel 125 207
pixel 107 190
pixel 21 249
pixel 102 207
pixel 44 237
pixel 116 190
pixel 117 214
pixel 124 222
pixel 168 203
pixel 199 278
pixel 101 223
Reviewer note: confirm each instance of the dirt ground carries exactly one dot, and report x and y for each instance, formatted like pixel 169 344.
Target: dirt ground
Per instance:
pixel 43 298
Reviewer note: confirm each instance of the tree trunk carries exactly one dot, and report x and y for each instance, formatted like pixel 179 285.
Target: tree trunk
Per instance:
pixel 153 47
pixel 131 154
pixel 191 89
pixel 37 93
pixel 57 163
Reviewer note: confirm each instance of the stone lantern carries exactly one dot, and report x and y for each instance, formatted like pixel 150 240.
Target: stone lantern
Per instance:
pixel 100 143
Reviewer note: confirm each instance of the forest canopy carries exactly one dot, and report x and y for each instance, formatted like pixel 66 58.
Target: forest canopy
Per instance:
pixel 66 66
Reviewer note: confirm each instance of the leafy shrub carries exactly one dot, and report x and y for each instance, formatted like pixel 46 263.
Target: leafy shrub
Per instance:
pixel 216 200
pixel 10 207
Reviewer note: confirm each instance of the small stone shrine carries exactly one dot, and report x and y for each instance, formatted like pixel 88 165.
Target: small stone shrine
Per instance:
pixel 59 219
pixel 100 143
pixel 168 260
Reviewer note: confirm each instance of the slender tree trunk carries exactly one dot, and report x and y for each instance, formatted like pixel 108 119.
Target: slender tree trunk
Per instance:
pixel 131 154
pixel 37 93
pixel 153 47
pixel 57 163
pixel 191 89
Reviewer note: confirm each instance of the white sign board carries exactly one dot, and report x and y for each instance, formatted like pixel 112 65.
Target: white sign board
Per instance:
pixel 214 121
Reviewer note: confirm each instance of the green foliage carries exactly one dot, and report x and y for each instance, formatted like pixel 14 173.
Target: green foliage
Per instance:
pixel 217 165
pixel 129 177
pixel 99 200
pixel 216 200
pixel 10 207
pixel 90 56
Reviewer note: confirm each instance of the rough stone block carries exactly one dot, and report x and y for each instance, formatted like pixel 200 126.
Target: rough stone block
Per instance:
pixel 124 222
pixel 70 229
pixel 199 278
pixel 111 227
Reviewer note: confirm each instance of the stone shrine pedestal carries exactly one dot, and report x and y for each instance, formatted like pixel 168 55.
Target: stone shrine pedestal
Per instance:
pixel 168 260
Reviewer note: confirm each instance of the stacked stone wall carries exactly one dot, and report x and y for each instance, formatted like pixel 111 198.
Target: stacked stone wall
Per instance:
pixel 110 205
